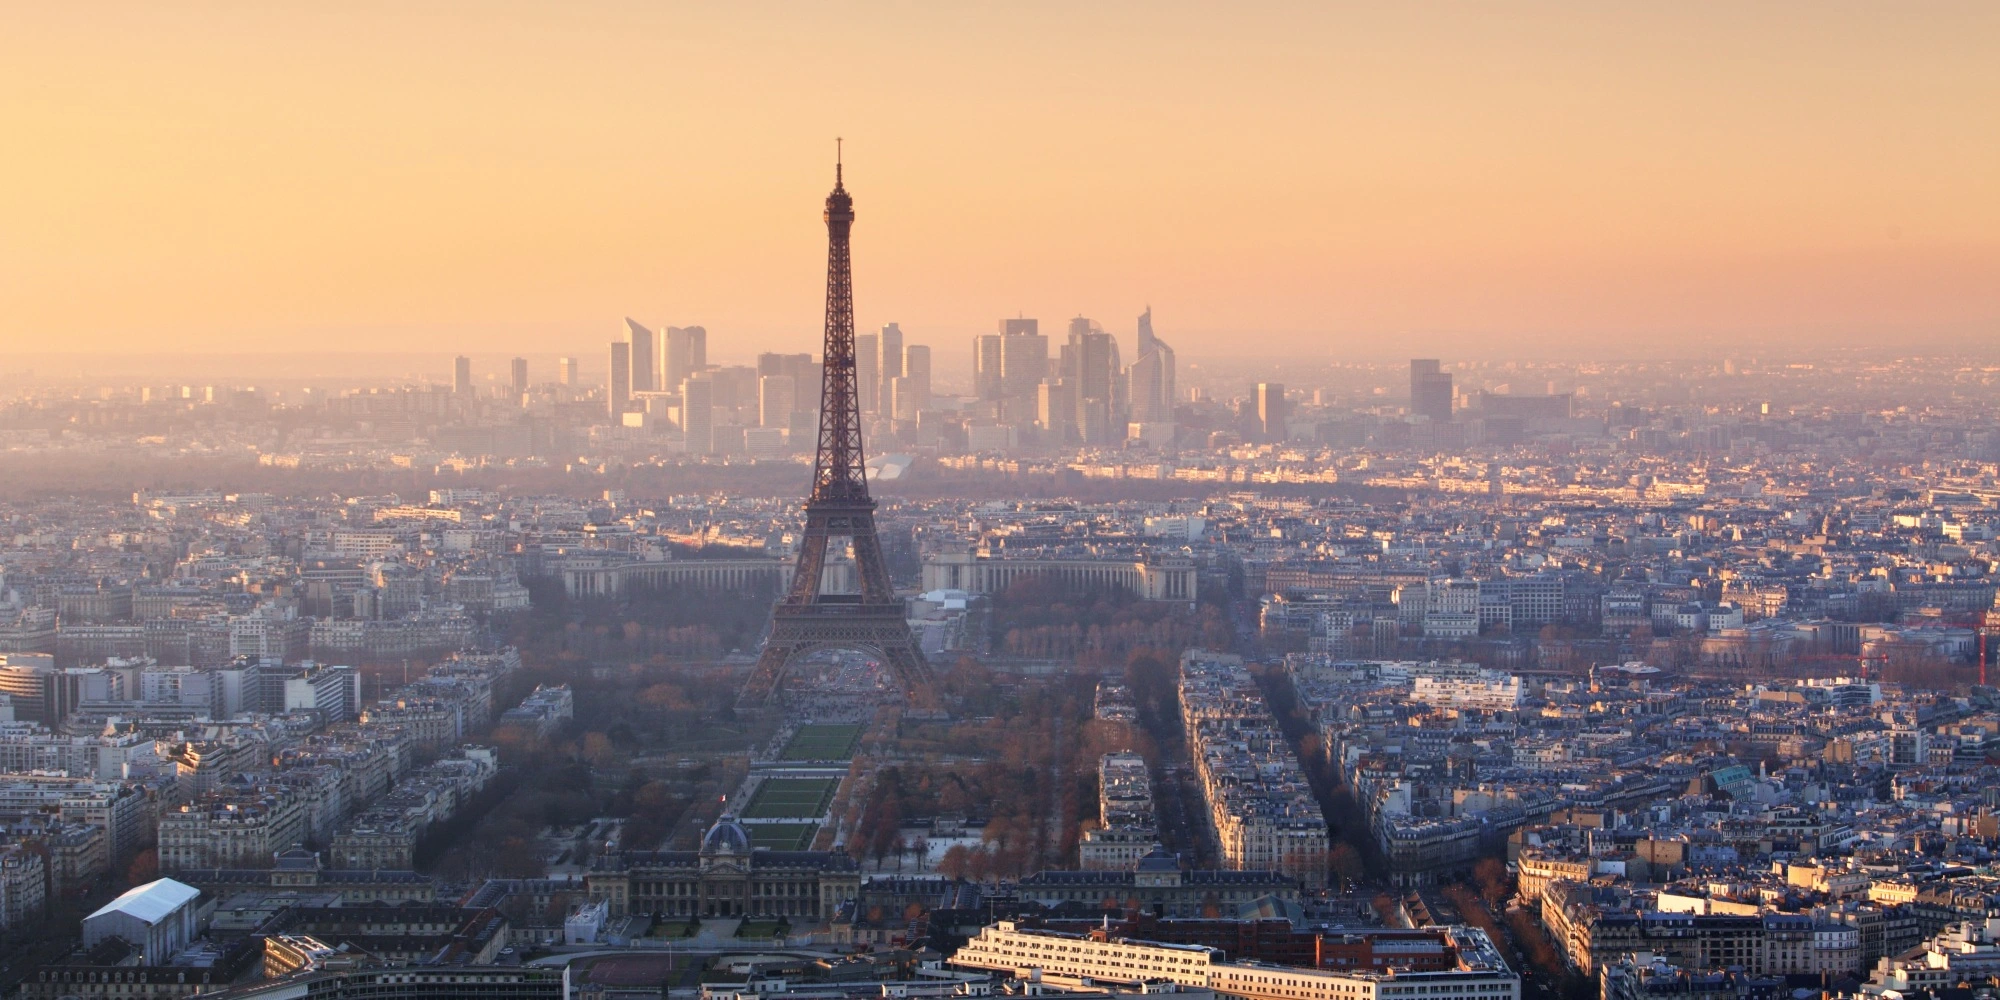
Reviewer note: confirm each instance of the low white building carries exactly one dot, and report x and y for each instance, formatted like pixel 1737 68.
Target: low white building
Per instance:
pixel 585 923
pixel 1491 691
pixel 1005 946
pixel 157 919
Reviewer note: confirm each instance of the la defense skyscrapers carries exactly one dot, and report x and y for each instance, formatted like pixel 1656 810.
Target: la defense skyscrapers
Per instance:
pixel 891 367
pixel 640 355
pixel 1090 363
pixel 685 355
pixel 618 381
pixel 1270 415
pixel 1085 394
pixel 1150 380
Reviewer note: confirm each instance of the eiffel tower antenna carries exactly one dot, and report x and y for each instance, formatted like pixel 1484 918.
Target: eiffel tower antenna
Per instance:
pixel 808 618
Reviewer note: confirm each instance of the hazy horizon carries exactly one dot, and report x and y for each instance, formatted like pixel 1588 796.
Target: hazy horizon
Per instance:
pixel 489 364
pixel 1281 181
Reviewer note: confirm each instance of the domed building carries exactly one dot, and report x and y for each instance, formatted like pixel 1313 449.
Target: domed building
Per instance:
pixel 727 877
pixel 726 837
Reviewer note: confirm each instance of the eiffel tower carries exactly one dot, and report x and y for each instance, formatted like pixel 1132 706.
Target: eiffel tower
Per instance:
pixel 807 618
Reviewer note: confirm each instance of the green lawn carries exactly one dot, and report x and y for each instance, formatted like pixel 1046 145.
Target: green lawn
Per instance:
pixel 823 742
pixel 782 836
pixel 792 798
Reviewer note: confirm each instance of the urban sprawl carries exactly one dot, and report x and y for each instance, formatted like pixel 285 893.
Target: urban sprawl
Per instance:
pixel 1438 681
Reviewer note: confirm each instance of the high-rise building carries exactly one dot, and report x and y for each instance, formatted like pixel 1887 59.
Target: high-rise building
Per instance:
pixel 917 364
pixel 566 371
pixel 913 388
pixel 698 413
pixel 519 369
pixel 772 363
pixel 1024 358
pixel 1430 390
pixel 806 375
pixel 618 384
pixel 461 375
pixel 686 353
pixel 868 371
pixel 1271 411
pixel 987 357
pixel 1055 411
pixel 645 367
pixel 777 398
pixel 1150 381
pixel 892 353
pixel 901 402
pixel 1093 357
pixel 735 391
pixel 1143 388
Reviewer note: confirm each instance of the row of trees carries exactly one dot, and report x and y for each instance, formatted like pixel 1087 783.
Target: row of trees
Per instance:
pixel 632 703
pixel 687 623
pixel 1009 775
pixel 1043 617
pixel 1100 642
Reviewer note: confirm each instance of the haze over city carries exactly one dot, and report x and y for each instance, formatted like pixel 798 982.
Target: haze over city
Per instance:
pixel 1525 179
pixel 646 501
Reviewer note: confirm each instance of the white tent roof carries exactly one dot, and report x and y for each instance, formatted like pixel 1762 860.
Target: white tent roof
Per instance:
pixel 150 902
pixel 887 467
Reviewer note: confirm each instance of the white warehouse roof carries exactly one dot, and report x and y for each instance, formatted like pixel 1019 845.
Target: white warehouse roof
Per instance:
pixel 150 902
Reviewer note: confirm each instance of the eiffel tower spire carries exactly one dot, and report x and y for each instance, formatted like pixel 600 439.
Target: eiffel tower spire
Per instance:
pixel 838 469
pixel 838 506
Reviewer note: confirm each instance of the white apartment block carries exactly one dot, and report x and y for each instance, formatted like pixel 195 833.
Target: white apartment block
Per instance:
pixel 1005 946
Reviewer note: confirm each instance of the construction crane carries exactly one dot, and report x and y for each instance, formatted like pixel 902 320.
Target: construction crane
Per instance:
pixel 1985 626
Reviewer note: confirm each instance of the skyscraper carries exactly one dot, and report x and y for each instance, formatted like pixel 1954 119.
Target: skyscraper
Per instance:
pixel 773 363
pixel 1093 355
pixel 900 401
pixel 1024 358
pixel 519 367
pixel 986 366
pixel 1430 390
pixel 461 375
pixel 618 384
pixel 566 370
pixel 1271 411
pixel 1150 381
pixel 777 397
pixel 868 372
pixel 645 367
pixel 892 353
pixel 698 413
pixel 1055 411
pixel 913 388
pixel 735 390
pixel 686 353
pixel 1142 387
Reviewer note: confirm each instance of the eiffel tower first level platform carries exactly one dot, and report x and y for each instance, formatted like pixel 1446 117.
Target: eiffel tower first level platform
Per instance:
pixel 807 619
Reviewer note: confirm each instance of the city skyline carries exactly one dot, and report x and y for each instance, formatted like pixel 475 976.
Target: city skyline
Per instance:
pixel 1290 502
pixel 297 179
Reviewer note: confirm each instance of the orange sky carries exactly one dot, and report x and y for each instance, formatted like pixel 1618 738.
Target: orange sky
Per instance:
pixel 1321 178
